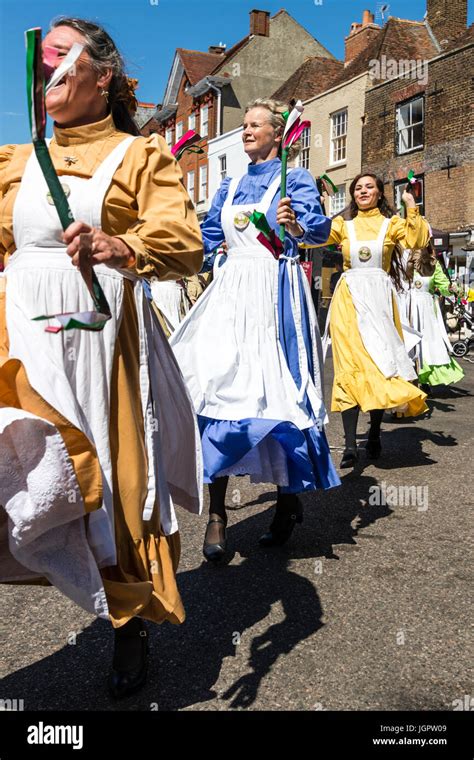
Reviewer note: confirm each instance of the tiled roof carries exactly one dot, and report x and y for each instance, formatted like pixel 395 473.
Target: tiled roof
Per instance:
pixel 399 39
pixel 315 75
pixel 230 53
pixel 198 65
pixel 144 113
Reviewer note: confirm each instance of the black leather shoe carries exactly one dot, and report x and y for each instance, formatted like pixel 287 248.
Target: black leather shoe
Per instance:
pixel 350 458
pixel 283 524
pixel 215 552
pixel 373 448
pixel 130 662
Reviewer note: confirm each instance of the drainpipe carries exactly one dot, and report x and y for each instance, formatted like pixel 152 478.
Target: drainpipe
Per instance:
pixel 219 96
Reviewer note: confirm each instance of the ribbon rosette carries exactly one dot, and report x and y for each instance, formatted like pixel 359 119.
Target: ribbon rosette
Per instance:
pixel 266 236
pixel 187 143
pixel 37 68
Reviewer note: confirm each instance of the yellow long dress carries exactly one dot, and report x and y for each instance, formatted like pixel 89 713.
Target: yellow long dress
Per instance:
pixel 357 379
pixel 147 206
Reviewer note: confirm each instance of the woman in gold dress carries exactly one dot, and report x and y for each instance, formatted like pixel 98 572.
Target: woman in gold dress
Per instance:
pixel 372 370
pixel 98 440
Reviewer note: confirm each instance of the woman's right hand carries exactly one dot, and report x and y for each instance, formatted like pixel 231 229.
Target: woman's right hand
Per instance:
pixel 99 247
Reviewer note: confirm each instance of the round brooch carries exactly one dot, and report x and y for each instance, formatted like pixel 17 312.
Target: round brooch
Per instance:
pixel 365 253
pixel 67 193
pixel 418 284
pixel 241 221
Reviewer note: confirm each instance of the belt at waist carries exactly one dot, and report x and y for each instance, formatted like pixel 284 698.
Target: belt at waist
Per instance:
pixel 35 257
pixel 250 251
pixel 364 272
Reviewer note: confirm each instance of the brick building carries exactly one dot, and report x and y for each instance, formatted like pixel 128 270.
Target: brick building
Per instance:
pixel 334 95
pixel 208 92
pixel 425 123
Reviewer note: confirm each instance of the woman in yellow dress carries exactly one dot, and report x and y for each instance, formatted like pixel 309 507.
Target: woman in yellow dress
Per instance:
pixel 372 370
pixel 98 439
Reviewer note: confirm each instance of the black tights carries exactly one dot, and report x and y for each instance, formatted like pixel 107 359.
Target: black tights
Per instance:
pixel 217 492
pixel 349 422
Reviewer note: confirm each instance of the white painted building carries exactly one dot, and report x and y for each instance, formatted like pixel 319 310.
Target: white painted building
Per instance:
pixel 226 158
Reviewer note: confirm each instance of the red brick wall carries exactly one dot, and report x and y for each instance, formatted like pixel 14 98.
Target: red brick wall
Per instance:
pixel 186 105
pixel 448 130
pixel 357 42
pixel 447 18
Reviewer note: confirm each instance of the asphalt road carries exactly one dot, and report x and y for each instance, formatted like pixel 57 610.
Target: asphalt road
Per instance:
pixel 365 608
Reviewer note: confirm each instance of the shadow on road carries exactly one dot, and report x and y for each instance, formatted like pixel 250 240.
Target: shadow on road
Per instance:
pixel 223 604
pixel 403 446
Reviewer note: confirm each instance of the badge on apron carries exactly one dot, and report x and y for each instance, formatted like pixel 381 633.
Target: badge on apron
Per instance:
pixel 365 253
pixel 241 221
pixel 67 193
pixel 418 284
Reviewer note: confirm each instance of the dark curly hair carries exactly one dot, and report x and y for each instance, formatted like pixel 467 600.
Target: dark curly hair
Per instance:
pixel 351 210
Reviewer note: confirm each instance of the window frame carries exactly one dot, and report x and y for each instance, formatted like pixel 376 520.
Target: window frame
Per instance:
pixel 202 123
pixel 332 210
pixel 398 130
pixel 303 158
pixel 401 184
pixel 332 138
pixel 191 190
pixel 223 166
pixel 169 131
pixel 203 170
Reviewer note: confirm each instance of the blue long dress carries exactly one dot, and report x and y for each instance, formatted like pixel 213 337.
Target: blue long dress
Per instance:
pixel 249 349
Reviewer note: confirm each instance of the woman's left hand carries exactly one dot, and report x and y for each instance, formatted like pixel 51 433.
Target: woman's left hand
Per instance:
pixel 408 199
pixel 102 248
pixel 285 215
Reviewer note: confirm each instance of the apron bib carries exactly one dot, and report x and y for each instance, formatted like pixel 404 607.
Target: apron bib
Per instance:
pixel 371 292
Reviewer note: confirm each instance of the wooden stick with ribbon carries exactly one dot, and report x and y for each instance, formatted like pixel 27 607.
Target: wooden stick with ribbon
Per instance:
pixel 293 129
pixel 90 320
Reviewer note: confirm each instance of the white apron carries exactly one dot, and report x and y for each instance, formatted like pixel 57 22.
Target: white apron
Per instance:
pixel 371 291
pixel 435 348
pixel 411 336
pixel 171 299
pixel 228 345
pixel 72 371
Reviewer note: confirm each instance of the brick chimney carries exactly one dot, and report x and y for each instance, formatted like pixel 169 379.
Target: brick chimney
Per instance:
pixel 260 23
pixel 360 36
pixel 217 49
pixel 447 19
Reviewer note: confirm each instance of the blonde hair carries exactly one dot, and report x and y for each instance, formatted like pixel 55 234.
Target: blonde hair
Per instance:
pixel 276 110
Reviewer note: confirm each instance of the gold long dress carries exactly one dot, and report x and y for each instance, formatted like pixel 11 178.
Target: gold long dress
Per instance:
pixel 147 207
pixel 357 379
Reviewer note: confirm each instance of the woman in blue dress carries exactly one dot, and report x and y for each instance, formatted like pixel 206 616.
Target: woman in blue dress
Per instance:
pixel 250 350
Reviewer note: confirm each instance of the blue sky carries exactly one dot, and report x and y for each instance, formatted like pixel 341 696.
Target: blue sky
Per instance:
pixel 148 31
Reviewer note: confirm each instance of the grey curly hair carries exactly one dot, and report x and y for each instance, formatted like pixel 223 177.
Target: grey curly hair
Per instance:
pixel 276 110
